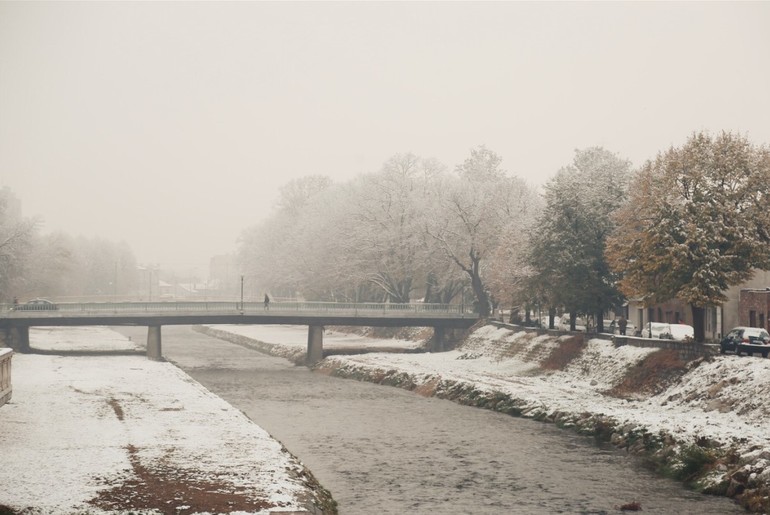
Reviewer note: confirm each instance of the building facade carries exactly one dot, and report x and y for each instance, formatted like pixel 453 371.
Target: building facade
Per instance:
pixel 718 319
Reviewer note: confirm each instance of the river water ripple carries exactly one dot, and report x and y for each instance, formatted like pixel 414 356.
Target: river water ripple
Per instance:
pixel 382 450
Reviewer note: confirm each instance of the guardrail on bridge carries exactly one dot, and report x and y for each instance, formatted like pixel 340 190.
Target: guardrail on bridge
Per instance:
pixel 238 307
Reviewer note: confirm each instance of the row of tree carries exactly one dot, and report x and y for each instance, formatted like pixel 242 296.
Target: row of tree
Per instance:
pixel 59 265
pixel 685 225
pixel 411 230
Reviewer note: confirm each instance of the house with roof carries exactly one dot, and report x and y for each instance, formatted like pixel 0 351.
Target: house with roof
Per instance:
pixel 747 304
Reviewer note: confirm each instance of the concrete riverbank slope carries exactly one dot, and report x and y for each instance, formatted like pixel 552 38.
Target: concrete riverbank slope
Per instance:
pixel 704 422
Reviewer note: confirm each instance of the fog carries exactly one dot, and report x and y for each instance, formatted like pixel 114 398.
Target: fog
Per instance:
pixel 172 126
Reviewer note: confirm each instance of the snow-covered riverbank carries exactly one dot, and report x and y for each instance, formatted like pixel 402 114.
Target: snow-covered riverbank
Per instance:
pixel 704 422
pixel 108 434
pixel 87 432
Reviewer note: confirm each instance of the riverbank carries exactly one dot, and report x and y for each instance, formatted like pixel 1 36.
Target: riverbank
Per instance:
pixel 703 422
pixel 123 434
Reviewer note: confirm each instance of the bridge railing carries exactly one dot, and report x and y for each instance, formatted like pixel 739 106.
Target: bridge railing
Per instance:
pixel 229 307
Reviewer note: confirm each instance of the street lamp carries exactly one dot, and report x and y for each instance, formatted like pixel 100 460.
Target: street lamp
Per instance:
pixel 241 292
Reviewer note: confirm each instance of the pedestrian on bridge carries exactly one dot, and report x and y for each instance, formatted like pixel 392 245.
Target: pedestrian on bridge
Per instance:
pixel 267 302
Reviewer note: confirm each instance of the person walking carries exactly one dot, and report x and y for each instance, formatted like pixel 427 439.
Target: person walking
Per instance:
pixel 622 324
pixel 267 302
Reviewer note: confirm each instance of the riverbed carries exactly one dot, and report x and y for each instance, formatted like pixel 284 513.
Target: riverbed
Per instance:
pixel 388 451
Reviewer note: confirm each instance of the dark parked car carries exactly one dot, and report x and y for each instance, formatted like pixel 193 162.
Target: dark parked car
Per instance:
pixel 746 339
pixel 36 305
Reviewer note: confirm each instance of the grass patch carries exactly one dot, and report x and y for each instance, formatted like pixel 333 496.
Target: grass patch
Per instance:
pixel 561 356
pixel 651 375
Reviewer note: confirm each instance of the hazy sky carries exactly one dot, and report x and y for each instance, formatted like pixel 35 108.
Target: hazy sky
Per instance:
pixel 171 126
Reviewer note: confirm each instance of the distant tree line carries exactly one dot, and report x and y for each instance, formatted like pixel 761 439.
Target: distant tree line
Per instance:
pixel 58 265
pixel 412 230
pixel 686 225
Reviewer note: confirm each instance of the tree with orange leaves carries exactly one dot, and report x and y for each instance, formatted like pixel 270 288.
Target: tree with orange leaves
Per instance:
pixel 697 222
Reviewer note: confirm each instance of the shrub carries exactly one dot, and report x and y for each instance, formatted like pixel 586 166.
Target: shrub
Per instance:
pixel 693 460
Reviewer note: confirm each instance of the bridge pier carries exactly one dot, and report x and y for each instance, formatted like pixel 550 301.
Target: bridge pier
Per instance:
pixel 154 350
pixel 315 344
pixel 437 343
pixel 16 337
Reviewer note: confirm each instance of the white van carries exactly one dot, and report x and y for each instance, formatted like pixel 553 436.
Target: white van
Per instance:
pixel 666 331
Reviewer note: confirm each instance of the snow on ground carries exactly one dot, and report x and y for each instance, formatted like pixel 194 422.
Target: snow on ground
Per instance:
pixel 296 336
pixel 71 419
pixel 79 339
pixel 727 399
pixel 75 426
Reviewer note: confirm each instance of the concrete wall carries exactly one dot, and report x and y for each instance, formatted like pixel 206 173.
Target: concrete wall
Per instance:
pixel 5 375
pixel 687 351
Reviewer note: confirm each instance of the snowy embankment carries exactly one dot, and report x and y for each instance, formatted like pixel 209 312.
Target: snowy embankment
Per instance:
pixel 290 342
pixel 704 422
pixel 109 434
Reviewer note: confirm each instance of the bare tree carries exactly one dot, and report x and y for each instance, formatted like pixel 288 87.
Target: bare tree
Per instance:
pixel 478 208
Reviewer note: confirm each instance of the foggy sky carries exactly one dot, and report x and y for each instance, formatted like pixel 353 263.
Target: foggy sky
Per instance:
pixel 171 126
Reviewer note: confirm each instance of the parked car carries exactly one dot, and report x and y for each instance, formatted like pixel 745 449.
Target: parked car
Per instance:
pixel 664 331
pixel 36 305
pixel 681 332
pixel 655 329
pixel 746 339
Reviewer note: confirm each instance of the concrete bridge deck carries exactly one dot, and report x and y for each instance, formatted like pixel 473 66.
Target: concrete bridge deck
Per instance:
pixel 15 321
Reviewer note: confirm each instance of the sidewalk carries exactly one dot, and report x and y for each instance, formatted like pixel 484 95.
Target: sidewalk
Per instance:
pixel 108 434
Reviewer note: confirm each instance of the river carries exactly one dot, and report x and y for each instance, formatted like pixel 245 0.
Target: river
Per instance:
pixel 383 450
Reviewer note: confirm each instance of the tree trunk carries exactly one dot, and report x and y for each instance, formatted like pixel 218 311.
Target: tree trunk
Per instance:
pixel 698 323
pixel 431 293
pixel 600 322
pixel 572 321
pixel 551 317
pixel 482 297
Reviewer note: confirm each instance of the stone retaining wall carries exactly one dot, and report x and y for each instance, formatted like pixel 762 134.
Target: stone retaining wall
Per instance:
pixel 688 351
pixel 5 375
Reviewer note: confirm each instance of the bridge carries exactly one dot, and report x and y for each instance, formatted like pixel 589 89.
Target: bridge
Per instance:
pixel 15 321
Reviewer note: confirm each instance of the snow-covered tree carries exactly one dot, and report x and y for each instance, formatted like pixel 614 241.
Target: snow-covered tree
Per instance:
pixel 697 222
pixel 394 234
pixel 567 250
pixel 390 211
pixel 16 235
pixel 63 265
pixel 478 208
pixel 274 254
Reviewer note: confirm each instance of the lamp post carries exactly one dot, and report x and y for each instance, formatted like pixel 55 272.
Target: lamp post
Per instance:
pixel 241 292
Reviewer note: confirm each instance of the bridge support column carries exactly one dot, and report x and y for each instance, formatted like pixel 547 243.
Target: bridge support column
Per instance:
pixel 437 343
pixel 154 349
pixel 16 338
pixel 315 344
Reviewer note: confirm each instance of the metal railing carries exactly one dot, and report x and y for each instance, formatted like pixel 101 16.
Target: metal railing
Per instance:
pixel 342 308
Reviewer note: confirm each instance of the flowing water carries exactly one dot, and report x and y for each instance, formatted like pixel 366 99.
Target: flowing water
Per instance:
pixel 382 450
